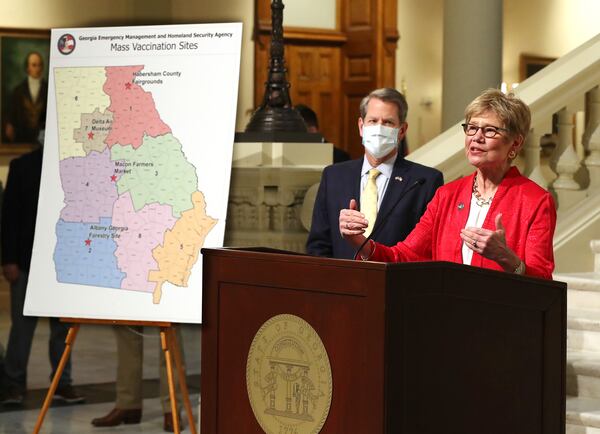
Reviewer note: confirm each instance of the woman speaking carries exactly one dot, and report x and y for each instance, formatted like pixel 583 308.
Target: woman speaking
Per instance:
pixel 495 218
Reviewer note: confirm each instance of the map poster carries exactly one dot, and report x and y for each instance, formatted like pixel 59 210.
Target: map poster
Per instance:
pixel 136 170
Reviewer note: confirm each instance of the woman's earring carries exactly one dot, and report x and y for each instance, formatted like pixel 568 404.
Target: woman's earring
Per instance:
pixel 512 154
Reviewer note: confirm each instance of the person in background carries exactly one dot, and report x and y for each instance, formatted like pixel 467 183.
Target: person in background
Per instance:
pixel 312 125
pixel 130 370
pixel 382 182
pixel 1 345
pixel 19 210
pixel 495 218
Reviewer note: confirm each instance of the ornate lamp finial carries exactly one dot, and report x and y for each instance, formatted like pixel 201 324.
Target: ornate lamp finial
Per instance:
pixel 276 114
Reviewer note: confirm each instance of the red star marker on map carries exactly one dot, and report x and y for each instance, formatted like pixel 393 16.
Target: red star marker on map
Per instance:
pixel 127 85
pixel 88 242
pixel 113 178
pixel 90 135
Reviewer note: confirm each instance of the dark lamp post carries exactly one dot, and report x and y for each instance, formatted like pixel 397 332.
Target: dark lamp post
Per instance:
pixel 276 113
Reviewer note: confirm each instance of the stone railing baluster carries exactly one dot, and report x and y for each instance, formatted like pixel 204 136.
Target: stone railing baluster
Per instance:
pixel 591 139
pixel 593 114
pixel 592 162
pixel 532 150
pixel 567 163
pixel 595 246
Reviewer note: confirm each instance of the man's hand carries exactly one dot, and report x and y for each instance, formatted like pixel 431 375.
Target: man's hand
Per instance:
pixel 353 225
pixel 352 222
pixel 11 272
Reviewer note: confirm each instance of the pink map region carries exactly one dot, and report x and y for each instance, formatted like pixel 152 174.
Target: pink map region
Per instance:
pixel 90 187
pixel 145 230
pixel 134 111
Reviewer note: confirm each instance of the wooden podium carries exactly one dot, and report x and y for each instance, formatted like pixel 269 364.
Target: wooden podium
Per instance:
pixel 419 348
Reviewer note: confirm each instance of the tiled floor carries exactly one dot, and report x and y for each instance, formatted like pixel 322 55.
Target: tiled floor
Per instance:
pixel 94 365
pixel 76 419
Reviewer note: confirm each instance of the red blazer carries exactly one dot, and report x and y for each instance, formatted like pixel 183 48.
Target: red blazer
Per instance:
pixel 528 215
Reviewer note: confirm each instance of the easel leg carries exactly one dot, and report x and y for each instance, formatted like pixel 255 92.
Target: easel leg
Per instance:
pixel 69 341
pixel 185 395
pixel 164 332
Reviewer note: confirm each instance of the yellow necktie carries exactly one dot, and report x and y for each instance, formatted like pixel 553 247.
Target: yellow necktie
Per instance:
pixel 368 201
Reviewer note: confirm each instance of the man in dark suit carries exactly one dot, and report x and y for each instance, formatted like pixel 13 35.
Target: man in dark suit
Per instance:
pixel 19 210
pixel 382 126
pixel 27 110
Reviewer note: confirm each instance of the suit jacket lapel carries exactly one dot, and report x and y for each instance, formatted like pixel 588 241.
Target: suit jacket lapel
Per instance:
pixel 352 183
pixel 355 183
pixel 399 181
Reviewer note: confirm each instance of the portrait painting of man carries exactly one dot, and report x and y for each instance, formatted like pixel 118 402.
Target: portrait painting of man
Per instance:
pixel 24 87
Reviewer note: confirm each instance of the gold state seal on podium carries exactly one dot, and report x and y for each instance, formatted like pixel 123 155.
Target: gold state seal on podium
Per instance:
pixel 288 376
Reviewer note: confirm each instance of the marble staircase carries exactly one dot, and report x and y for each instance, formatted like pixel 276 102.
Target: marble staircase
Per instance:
pixel 583 350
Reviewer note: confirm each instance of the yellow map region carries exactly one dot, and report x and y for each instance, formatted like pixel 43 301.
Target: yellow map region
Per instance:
pixel 181 247
pixel 78 90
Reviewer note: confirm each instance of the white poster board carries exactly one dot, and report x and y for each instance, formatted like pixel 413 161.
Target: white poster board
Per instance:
pixel 136 170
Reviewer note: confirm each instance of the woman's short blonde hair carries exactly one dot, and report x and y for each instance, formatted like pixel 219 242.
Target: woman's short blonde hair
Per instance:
pixel 512 112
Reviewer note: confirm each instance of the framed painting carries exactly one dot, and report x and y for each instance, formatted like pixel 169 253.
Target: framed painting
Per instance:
pixel 24 59
pixel 530 64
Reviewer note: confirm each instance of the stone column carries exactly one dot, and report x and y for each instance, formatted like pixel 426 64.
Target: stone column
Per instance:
pixel 472 53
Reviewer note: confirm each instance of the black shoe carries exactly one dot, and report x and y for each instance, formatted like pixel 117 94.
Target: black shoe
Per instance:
pixel 168 423
pixel 118 416
pixel 13 395
pixel 68 395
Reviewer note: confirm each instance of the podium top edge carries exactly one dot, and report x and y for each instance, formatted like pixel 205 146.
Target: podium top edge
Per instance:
pixel 289 256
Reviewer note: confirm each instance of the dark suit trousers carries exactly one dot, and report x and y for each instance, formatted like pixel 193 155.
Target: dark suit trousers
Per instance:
pixel 21 336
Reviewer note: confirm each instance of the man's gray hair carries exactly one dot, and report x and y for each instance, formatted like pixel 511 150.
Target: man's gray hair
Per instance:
pixel 386 94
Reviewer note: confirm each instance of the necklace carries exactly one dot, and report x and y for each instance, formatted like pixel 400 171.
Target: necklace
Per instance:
pixel 480 200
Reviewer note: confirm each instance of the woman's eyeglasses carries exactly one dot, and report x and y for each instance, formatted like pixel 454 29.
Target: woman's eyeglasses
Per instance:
pixel 488 131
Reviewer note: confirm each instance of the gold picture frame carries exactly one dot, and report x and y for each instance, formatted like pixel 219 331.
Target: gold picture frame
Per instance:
pixel 21 117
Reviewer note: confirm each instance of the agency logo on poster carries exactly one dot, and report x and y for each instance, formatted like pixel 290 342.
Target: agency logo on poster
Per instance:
pixel 66 44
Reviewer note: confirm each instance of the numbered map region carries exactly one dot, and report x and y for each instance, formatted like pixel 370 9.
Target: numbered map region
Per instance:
pixel 134 217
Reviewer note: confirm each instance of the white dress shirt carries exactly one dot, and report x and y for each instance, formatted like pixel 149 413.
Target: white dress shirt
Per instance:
pixel 34 87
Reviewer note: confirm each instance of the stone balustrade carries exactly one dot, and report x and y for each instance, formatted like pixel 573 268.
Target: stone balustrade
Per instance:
pixel 269 182
pixel 571 178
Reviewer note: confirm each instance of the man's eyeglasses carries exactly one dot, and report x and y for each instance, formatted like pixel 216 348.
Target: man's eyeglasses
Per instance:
pixel 488 131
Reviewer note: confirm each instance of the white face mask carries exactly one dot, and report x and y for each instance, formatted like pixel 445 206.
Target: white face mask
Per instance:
pixel 379 140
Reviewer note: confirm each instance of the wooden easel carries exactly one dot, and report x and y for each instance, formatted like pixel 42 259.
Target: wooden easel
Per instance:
pixel 168 341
